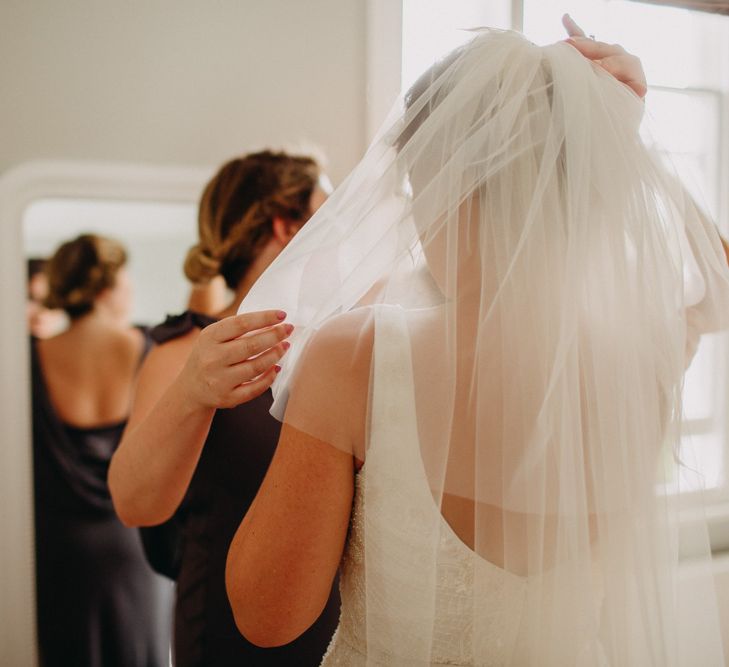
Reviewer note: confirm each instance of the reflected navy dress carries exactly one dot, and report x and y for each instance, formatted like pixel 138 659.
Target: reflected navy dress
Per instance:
pixel 99 604
pixel 234 460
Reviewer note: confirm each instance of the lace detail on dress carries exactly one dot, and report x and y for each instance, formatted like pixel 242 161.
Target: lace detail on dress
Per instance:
pixel 411 597
pixel 463 580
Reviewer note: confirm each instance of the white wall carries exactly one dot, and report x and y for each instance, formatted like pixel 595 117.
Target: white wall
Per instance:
pixel 186 82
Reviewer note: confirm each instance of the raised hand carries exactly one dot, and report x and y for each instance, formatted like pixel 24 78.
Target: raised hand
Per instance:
pixel 234 360
pixel 613 58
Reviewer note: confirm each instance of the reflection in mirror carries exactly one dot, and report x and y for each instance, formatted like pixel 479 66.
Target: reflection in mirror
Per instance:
pixel 109 265
pixel 23 191
pixel 156 235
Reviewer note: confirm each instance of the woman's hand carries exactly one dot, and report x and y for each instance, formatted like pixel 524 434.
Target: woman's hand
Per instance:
pixel 234 360
pixel 613 58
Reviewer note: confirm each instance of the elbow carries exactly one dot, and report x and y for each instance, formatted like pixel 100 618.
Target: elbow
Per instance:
pixel 264 630
pixel 128 519
pixel 130 511
pixel 265 635
pixel 125 511
pixel 132 516
pixel 119 496
pixel 260 620
pixel 134 506
pixel 122 508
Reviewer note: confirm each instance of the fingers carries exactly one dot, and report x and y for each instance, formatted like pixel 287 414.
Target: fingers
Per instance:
pixel 573 30
pixel 234 352
pixel 624 66
pixel 250 390
pixel 595 50
pixel 240 349
pixel 236 384
pixel 238 325
pixel 628 70
pixel 251 368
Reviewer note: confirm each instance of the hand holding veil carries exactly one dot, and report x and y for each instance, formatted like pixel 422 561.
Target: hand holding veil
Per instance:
pixel 493 307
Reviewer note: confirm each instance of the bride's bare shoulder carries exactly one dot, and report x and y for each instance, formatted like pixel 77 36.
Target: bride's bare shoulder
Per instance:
pixel 331 384
pixel 345 341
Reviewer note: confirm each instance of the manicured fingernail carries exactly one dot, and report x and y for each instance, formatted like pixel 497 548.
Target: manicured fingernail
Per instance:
pixel 286 345
pixel 277 368
pixel 281 315
pixel 288 328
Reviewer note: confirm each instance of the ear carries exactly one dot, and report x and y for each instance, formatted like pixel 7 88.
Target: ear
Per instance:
pixel 284 230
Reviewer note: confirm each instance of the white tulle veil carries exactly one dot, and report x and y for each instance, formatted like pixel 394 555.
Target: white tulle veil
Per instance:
pixel 510 242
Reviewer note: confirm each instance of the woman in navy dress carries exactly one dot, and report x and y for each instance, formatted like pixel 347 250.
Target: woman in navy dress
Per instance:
pixel 200 437
pixel 99 602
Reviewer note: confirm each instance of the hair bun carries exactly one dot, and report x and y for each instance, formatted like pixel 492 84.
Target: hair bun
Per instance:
pixel 200 265
pixel 80 270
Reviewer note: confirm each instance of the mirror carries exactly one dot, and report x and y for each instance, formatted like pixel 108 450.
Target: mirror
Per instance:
pixel 152 211
pixel 91 571
pixel 156 236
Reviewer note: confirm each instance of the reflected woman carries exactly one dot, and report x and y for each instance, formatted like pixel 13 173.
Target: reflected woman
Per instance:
pixel 184 459
pixel 99 603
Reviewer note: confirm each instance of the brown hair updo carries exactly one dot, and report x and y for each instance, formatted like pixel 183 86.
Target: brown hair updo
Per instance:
pixel 80 270
pixel 237 209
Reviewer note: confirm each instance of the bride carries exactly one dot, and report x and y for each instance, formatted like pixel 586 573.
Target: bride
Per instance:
pixel 481 403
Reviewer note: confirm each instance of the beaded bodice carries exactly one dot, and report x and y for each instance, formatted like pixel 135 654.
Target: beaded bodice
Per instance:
pixel 394 610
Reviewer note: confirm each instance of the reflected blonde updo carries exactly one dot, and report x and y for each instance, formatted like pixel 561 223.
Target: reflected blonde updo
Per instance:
pixel 237 210
pixel 80 270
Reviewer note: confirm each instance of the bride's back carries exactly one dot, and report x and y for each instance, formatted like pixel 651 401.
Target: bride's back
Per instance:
pixel 523 256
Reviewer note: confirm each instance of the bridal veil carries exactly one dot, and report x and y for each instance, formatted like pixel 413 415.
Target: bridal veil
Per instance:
pixel 548 276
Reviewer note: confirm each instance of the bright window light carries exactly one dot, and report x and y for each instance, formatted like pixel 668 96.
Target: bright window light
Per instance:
pixel 686 59
pixel 432 28
pixel 689 81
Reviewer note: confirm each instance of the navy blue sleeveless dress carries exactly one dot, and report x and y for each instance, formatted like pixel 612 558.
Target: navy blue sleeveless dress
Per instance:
pixel 99 604
pixel 234 460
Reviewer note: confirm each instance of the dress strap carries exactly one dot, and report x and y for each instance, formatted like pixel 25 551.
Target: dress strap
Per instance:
pixel 178 325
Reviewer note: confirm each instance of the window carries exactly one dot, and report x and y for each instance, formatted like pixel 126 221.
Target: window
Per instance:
pixel 432 28
pixel 686 59
pixel 684 106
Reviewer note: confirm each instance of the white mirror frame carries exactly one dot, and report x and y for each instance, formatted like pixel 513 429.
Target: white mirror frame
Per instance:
pixel 19 187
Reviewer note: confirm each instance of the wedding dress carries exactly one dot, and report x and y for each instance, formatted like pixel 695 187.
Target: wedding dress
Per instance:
pixel 388 505
pixel 501 297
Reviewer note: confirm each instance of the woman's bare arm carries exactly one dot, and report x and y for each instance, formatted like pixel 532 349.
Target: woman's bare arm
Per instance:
pixel 285 554
pixel 180 386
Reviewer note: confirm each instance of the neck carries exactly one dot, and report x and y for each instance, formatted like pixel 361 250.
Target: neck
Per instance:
pixel 98 318
pixel 269 252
